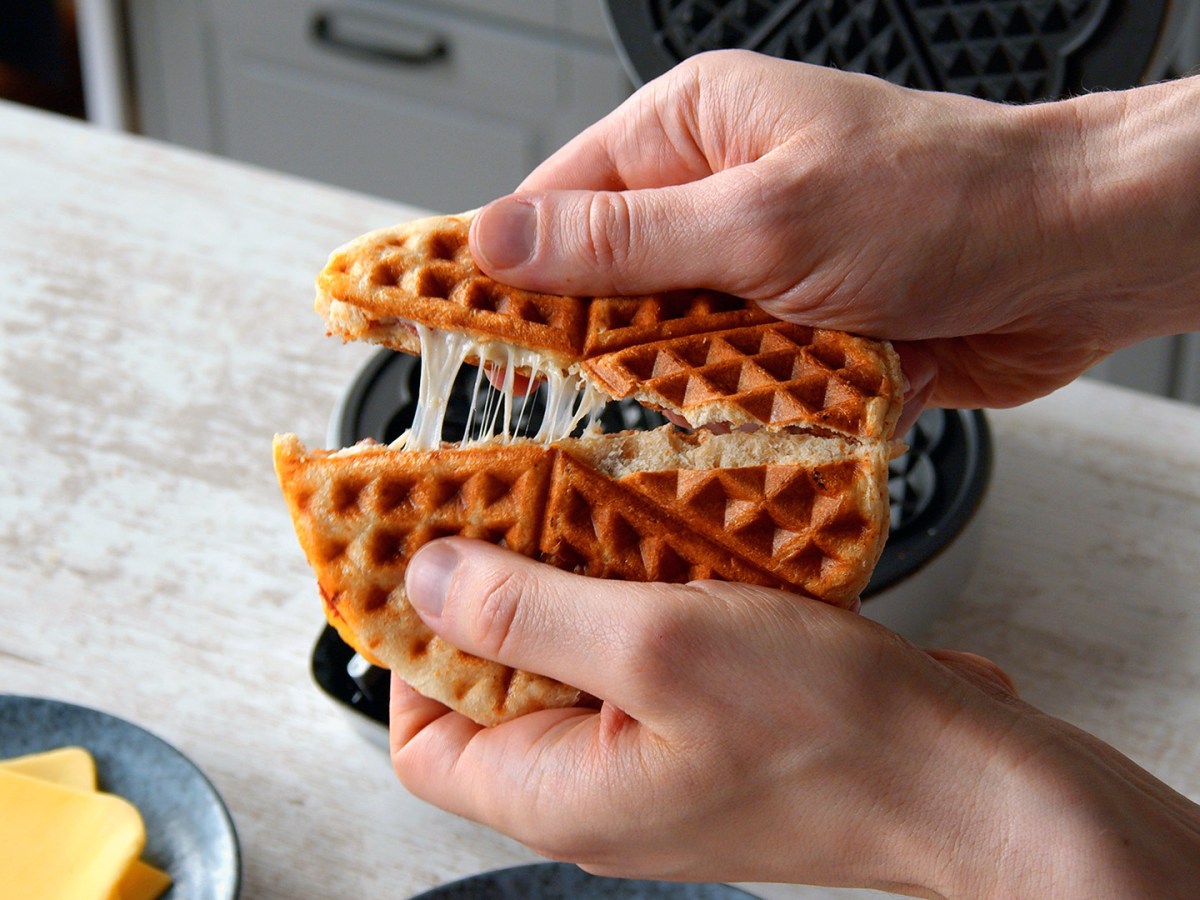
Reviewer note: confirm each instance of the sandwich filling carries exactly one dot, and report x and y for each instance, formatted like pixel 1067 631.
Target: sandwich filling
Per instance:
pixel 568 399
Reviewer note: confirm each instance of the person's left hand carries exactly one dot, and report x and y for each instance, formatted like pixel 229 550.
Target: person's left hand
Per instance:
pixel 745 733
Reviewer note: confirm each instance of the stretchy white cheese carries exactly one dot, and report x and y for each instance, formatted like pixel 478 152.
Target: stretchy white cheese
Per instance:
pixel 568 399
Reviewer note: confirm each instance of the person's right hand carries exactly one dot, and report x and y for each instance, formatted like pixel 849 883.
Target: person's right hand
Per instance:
pixel 1005 249
pixel 748 734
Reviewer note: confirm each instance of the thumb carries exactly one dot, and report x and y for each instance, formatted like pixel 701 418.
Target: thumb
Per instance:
pixel 499 605
pixel 605 243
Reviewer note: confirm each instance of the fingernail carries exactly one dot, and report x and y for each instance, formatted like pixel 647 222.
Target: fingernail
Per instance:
pixel 920 380
pixel 506 232
pixel 917 368
pixel 428 578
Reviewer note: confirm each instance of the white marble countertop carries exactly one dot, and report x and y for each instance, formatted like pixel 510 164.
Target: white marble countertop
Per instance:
pixel 156 330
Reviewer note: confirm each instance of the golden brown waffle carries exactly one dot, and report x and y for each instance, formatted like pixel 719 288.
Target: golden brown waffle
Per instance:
pixel 709 356
pixel 422 272
pixel 808 515
pixel 775 374
pixel 360 517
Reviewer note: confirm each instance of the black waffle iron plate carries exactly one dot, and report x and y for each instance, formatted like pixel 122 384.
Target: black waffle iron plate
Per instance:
pixel 1009 50
pixel 936 491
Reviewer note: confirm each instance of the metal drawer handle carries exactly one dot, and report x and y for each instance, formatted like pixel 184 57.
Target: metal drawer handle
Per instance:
pixel 371 37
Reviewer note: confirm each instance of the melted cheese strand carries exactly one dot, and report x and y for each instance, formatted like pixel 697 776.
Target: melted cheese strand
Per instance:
pixel 568 399
pixel 525 413
pixel 507 391
pixel 440 362
pixel 474 395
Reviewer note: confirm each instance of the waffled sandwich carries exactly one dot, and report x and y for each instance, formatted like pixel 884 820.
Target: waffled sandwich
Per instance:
pixel 791 494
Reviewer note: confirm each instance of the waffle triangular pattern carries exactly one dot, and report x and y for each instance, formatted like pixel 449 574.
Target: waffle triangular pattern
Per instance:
pixel 596 527
pixel 422 272
pixel 709 356
pixel 614 323
pixel 776 374
pixel 360 517
pixel 805 525
pixel 361 514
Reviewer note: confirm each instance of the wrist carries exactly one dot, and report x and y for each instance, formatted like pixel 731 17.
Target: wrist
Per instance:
pixel 971 809
pixel 954 800
pixel 1116 194
pixel 1057 813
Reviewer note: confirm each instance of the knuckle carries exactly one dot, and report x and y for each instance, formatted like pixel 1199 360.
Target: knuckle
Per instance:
pixel 559 828
pixel 570 840
pixel 693 69
pixel 406 770
pixel 415 771
pixel 610 230
pixel 559 847
pixel 656 647
pixel 496 605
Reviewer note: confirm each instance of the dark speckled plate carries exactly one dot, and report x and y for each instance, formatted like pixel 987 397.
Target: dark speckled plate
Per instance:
pixel 561 881
pixel 188 830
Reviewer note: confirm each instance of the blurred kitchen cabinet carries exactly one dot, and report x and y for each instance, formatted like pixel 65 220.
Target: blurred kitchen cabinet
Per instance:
pixel 1148 366
pixel 1167 366
pixel 439 104
pixel 1187 383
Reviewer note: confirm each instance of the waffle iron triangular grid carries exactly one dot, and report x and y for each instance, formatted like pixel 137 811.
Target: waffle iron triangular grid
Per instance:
pixel 1012 50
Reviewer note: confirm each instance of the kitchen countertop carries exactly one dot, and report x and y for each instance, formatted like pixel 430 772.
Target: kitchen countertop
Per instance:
pixel 157 330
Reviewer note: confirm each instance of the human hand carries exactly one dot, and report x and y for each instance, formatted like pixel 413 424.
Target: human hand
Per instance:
pixel 746 734
pixel 1005 249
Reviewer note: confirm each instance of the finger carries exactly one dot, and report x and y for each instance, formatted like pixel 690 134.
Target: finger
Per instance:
pixel 675 418
pixel 604 637
pixel 920 372
pixel 978 670
pixel 482 773
pixel 426 738
pixel 647 141
pixel 522 384
pixel 584 163
pixel 914 405
pixel 615 156
pixel 707 234
pixel 409 713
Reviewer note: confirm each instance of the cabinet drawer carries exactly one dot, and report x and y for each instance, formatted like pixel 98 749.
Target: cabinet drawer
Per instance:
pixel 398 47
pixel 577 18
pixel 364 139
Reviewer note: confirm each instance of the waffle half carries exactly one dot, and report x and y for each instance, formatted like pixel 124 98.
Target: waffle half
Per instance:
pixel 807 516
pixel 707 356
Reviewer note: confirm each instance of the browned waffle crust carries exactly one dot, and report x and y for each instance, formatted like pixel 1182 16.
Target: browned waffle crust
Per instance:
pixel 643 507
pixel 709 356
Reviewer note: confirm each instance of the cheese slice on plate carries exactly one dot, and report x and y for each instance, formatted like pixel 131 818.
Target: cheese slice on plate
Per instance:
pixel 77 842
pixel 69 766
pixel 61 842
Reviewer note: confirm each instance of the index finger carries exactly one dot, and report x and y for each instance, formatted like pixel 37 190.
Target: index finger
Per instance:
pixel 648 141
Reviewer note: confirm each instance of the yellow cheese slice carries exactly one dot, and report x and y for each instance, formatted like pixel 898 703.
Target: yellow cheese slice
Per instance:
pixel 65 843
pixel 142 882
pixel 68 766
pixel 74 767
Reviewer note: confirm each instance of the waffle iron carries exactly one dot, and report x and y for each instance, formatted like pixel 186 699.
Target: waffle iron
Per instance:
pixel 936 491
pixel 1008 50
